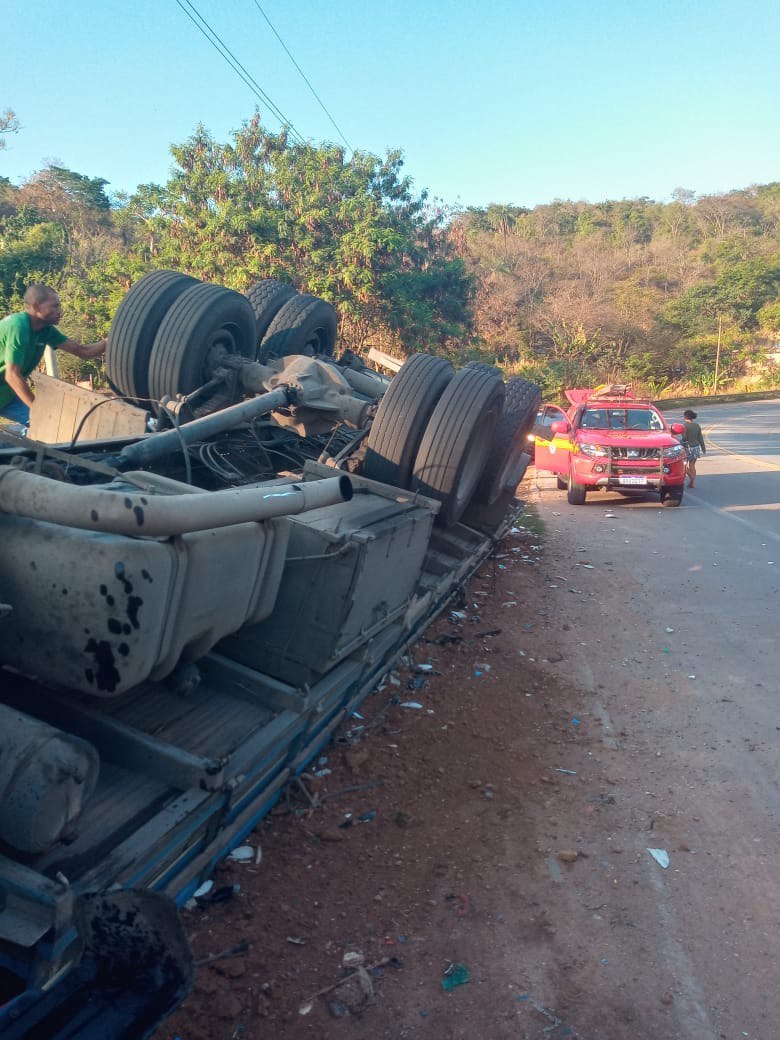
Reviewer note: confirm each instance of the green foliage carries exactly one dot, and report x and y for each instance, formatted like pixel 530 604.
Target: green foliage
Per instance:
pixel 565 293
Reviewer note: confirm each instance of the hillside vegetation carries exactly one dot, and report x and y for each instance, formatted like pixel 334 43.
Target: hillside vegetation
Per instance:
pixel 566 292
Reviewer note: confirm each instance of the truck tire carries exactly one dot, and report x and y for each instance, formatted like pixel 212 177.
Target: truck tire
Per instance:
pixel 134 328
pixel 575 492
pixel 401 418
pixel 303 325
pixel 267 298
pixel 203 321
pixel 457 440
pixel 521 404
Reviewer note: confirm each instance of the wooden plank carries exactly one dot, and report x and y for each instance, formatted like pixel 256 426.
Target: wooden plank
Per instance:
pixel 59 407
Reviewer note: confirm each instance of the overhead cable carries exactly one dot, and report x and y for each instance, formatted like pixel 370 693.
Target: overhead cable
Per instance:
pixel 214 39
pixel 320 102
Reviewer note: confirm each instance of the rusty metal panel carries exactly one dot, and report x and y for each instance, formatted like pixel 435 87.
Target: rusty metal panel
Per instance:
pixel 59 407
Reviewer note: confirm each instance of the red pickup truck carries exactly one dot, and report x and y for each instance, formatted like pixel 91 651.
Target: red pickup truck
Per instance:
pixel 610 441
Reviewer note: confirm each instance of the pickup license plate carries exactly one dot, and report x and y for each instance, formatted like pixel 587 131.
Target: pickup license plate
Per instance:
pixel 632 480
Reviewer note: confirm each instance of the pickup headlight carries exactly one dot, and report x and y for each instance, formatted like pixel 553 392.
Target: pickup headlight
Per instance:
pixel 594 451
pixel 676 451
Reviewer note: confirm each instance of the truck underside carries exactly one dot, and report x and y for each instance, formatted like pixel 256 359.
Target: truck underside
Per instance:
pixel 189 615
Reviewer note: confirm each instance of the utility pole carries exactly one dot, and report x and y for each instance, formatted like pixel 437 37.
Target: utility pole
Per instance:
pixel 717 357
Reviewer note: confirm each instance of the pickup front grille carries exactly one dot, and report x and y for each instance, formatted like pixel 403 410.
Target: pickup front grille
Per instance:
pixel 635 453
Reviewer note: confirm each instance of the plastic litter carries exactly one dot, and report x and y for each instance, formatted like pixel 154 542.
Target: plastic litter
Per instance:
pixel 510 603
pixel 323 772
pixel 670 630
pixel 218 895
pixel 367 817
pixel 338 1010
pixel 455 975
pixel 411 704
pixel 243 854
pixel 661 856
pixel 575 722
pixel 423 667
pixel 568 772
pixel 296 940
pixel 352 959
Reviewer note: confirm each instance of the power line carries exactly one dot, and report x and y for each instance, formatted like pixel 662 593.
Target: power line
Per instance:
pixel 217 43
pixel 320 102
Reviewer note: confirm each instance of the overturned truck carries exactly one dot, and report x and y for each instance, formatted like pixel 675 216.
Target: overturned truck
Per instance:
pixel 191 608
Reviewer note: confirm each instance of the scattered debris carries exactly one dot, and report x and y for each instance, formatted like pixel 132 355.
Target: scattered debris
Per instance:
pixel 243 854
pixel 411 704
pixel 455 975
pixel 661 856
pixel 231 951
pixel 296 940
pixel 568 772
pixel 361 975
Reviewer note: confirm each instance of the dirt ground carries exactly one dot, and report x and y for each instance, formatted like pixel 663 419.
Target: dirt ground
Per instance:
pixel 494 836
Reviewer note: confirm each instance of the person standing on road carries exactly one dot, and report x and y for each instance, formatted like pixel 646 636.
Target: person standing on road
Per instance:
pixel 693 442
pixel 23 338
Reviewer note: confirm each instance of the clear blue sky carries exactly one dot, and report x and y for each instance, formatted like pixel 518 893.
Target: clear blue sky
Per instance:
pixel 510 102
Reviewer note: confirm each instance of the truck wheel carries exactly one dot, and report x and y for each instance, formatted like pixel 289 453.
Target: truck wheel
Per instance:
pixel 521 404
pixel 134 327
pixel 575 492
pixel 205 322
pixel 402 416
pixel 457 440
pixel 267 298
pixel 303 325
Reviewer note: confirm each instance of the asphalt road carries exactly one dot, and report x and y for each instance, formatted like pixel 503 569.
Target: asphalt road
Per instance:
pixel 672 630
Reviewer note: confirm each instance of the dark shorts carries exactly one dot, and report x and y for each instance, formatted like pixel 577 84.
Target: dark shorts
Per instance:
pixel 693 452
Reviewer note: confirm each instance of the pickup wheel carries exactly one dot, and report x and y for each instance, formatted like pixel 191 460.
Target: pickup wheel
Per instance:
pixel 134 328
pixel 267 299
pixel 671 499
pixel 456 443
pixel 303 325
pixel 521 403
pixel 401 418
pixel 575 492
pixel 205 323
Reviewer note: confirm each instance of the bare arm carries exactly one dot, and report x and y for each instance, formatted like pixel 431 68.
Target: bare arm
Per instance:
pixel 83 350
pixel 14 377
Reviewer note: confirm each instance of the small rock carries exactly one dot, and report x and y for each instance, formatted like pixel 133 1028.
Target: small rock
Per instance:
pixel 667 999
pixel 568 856
pixel 683 847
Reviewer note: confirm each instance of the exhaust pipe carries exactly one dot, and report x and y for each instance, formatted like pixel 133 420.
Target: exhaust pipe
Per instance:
pixel 160 516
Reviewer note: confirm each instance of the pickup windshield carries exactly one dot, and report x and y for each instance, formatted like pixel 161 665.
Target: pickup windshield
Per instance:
pixel 621 419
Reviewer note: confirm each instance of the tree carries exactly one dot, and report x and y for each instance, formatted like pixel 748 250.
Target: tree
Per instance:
pixel 9 124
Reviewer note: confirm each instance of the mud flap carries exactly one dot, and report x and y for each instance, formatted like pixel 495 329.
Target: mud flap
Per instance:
pixel 135 968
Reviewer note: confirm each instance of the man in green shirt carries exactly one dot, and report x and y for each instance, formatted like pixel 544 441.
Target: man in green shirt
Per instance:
pixel 23 338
